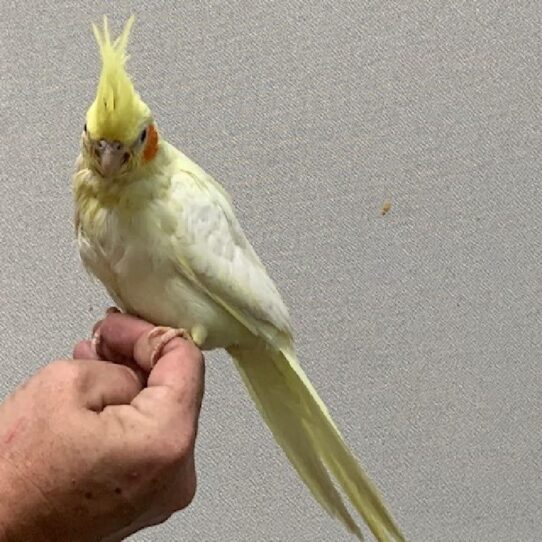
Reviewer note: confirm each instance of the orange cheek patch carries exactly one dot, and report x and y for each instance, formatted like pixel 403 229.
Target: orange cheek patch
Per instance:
pixel 151 147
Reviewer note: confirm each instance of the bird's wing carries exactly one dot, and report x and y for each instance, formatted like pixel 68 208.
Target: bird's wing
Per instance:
pixel 214 253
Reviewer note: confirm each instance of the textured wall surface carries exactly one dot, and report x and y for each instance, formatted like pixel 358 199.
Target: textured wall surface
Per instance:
pixel 421 328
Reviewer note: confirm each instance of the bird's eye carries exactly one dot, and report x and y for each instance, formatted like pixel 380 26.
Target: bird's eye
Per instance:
pixel 143 135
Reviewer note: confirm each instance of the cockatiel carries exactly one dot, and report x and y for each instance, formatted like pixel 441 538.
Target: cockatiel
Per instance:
pixel 162 237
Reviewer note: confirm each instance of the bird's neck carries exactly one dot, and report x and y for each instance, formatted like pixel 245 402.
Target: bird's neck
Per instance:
pixel 129 192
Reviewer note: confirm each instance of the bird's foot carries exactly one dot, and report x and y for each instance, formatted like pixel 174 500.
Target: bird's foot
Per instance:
pixel 112 310
pixel 161 336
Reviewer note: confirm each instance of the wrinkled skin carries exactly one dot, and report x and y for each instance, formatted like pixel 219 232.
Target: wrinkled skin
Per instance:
pixel 92 450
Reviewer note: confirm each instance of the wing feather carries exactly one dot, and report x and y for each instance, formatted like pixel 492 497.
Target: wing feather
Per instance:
pixel 216 255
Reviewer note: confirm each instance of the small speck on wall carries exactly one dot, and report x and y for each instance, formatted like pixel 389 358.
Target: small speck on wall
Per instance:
pixel 385 209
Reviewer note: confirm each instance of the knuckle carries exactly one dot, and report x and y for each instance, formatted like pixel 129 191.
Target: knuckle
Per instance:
pixel 126 372
pixel 161 518
pixel 177 450
pixel 198 355
pixel 173 452
pixel 195 352
pixel 197 360
pixel 68 375
pixel 183 491
pixel 63 370
pixel 190 350
pixel 166 396
pixel 187 493
pixel 57 380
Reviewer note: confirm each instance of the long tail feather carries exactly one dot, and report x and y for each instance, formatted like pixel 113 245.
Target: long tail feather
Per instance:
pixel 302 426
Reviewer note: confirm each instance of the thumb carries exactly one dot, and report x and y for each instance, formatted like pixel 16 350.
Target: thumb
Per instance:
pixel 175 384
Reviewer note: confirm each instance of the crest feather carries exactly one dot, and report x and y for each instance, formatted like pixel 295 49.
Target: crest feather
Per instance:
pixel 117 113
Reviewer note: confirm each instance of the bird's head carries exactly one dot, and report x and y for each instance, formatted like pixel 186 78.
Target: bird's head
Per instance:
pixel 119 134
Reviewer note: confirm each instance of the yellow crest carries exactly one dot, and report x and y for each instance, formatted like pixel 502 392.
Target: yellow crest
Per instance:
pixel 117 113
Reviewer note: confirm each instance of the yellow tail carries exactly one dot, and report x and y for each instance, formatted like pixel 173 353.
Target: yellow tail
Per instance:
pixel 304 429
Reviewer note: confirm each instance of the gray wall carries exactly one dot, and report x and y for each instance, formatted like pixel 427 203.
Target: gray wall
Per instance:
pixel 421 329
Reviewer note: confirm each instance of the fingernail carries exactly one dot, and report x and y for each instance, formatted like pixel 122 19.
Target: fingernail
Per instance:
pixel 96 326
pixel 95 343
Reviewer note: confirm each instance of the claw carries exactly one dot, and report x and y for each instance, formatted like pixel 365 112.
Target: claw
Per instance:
pixel 164 335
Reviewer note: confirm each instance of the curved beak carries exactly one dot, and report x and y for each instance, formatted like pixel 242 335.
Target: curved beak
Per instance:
pixel 111 155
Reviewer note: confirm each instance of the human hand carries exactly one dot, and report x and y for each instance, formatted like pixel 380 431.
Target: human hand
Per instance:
pixel 90 450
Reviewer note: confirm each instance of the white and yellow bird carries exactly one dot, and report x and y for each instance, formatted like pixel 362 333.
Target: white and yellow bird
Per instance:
pixel 162 237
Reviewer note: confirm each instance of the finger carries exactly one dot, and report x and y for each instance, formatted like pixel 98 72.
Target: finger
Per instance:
pixel 175 385
pixel 124 337
pixel 105 352
pixel 97 325
pixel 180 368
pixel 176 379
pixel 119 333
pixel 102 384
pixel 84 350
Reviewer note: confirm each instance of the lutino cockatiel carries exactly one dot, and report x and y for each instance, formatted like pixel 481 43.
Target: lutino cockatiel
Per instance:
pixel 162 237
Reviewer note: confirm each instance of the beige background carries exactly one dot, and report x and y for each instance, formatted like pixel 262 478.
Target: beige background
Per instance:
pixel 421 329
